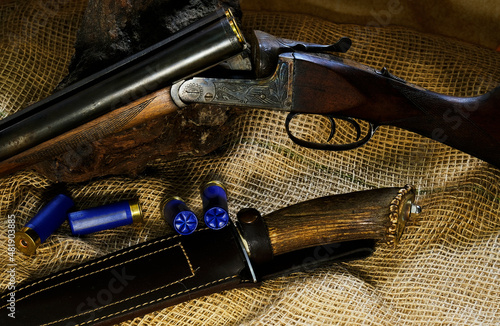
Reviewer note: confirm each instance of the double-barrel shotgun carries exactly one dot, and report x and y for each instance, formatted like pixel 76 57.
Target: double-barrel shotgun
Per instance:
pixel 211 63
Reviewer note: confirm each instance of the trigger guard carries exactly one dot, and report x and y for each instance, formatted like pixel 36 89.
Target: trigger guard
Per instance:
pixel 328 147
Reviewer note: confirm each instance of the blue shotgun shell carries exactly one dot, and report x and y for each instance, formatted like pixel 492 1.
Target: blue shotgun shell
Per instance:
pixel 215 212
pixel 105 217
pixel 43 224
pixel 178 216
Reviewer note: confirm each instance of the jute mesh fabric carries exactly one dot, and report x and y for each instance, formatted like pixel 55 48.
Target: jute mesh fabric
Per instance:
pixel 446 270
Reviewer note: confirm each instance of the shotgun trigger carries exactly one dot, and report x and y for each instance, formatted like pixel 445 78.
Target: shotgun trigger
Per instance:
pixel 369 131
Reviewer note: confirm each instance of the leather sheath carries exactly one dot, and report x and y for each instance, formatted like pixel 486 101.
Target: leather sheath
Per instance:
pixel 159 273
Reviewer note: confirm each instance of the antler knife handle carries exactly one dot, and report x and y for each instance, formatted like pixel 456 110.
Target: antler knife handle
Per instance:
pixel 379 214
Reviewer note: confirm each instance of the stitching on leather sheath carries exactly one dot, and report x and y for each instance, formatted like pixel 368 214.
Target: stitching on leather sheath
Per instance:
pixel 146 303
pixel 140 294
pixel 92 263
pixel 88 265
pixel 105 268
pixel 113 266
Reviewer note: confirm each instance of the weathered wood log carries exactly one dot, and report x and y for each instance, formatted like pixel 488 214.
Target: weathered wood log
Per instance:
pixel 112 30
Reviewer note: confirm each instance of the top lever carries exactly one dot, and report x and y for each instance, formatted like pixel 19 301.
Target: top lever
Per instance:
pixel 266 49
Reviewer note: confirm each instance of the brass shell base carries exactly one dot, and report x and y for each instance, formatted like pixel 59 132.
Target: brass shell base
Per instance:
pixel 27 240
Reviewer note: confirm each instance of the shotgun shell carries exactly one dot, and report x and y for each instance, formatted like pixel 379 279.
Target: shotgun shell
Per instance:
pixel 43 224
pixel 215 205
pixel 105 217
pixel 178 216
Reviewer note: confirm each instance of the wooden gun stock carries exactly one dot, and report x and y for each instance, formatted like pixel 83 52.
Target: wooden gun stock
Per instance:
pixel 347 89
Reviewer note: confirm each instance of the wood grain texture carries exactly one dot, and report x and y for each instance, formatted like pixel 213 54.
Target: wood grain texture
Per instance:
pixel 325 220
pixel 80 140
pixel 125 140
pixel 346 88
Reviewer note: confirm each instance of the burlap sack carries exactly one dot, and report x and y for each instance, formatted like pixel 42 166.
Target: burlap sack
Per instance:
pixel 446 270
